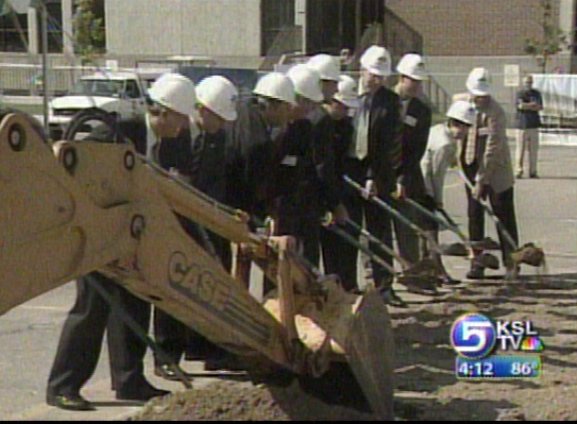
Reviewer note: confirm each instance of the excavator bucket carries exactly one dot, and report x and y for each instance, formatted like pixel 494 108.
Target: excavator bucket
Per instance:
pixel 370 354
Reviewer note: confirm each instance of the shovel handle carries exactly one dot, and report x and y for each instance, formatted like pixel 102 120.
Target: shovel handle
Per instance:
pixel 352 241
pixel 395 213
pixel 379 243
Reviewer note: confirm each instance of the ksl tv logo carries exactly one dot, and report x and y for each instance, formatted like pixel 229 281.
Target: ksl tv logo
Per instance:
pixel 475 336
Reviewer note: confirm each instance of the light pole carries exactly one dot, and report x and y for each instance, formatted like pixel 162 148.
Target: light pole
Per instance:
pixel 41 6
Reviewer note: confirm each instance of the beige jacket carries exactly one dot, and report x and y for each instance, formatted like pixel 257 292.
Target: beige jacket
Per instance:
pixel 495 168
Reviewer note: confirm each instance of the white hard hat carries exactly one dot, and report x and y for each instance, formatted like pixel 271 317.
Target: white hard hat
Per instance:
pixel 174 91
pixel 462 111
pixel 412 66
pixel 478 82
pixel 307 82
pixel 219 95
pixel 327 66
pixel 347 92
pixel 377 60
pixel 276 86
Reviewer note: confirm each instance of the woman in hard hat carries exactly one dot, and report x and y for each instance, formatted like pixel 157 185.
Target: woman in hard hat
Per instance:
pixel 337 254
pixel 440 154
pixel 172 99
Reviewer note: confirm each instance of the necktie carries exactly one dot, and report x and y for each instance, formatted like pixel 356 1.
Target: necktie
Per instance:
pixel 471 145
pixel 362 130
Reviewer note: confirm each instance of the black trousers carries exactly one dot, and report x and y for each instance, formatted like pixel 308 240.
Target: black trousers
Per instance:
pixel 378 222
pixel 503 206
pixel 81 339
pixel 171 335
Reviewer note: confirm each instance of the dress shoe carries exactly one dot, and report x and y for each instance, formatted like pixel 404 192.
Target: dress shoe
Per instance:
pixel 142 393
pixel 69 402
pixel 476 273
pixel 533 176
pixel 447 280
pixel 392 299
pixel 168 373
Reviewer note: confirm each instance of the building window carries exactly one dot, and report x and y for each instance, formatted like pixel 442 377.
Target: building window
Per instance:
pixel 278 27
pixel 14 32
pixel 54 9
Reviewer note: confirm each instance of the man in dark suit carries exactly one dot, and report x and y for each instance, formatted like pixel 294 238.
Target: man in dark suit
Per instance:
pixel 374 156
pixel 199 159
pixel 416 117
pixel 79 347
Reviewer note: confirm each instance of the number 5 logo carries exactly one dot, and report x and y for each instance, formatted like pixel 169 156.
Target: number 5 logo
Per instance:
pixel 473 336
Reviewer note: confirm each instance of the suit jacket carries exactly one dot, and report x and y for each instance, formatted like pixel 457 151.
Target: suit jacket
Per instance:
pixel 492 155
pixel 384 150
pixel 414 136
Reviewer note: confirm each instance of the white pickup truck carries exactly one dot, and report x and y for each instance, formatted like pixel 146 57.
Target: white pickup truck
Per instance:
pixel 117 93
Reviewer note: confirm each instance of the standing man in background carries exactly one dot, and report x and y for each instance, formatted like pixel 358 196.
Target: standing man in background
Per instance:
pixel 529 103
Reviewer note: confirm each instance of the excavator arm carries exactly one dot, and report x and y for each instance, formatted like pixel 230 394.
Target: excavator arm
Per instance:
pixel 72 208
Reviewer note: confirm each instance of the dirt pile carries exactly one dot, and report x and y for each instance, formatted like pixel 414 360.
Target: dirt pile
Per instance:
pixel 218 401
pixel 307 400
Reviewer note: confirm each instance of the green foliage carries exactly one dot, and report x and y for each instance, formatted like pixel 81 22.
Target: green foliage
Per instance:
pixel 89 32
pixel 553 40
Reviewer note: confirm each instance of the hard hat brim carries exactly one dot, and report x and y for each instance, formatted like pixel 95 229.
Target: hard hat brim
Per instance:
pixel 482 90
pixel 376 71
pixel 350 103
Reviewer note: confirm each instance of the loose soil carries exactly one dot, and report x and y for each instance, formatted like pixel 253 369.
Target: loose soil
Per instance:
pixel 426 387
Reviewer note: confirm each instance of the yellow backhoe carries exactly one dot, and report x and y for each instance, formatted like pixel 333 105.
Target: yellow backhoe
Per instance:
pixel 70 208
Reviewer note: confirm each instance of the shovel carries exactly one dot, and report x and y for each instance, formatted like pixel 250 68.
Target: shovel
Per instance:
pixel 486 260
pixel 529 253
pixel 394 213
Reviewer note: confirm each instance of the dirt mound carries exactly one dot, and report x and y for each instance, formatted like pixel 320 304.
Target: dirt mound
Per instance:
pixel 218 401
pixel 335 397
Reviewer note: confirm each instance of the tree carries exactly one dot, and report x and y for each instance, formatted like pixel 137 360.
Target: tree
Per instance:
pixel 553 40
pixel 89 32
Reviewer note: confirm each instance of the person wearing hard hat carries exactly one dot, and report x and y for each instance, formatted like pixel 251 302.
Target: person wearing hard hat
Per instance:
pixel 416 117
pixel 314 129
pixel 486 161
pixel 172 100
pixel 203 168
pixel 440 154
pixel 329 69
pixel 374 156
pixel 261 120
pixel 336 252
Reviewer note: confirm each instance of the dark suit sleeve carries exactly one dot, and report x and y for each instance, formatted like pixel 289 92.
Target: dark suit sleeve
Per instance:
pixel 386 143
pixel 325 163
pixel 415 146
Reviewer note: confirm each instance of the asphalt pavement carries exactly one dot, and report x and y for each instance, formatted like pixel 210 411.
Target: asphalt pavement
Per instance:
pixel 546 211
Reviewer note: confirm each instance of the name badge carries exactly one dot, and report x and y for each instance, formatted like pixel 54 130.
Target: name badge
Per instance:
pixel 484 131
pixel 411 121
pixel 289 160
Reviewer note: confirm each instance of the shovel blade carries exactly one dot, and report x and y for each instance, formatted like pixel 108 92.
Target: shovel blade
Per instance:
pixel 370 354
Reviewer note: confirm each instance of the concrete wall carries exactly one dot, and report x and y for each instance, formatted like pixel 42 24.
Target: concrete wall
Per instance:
pixel 183 27
pixel 477 27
